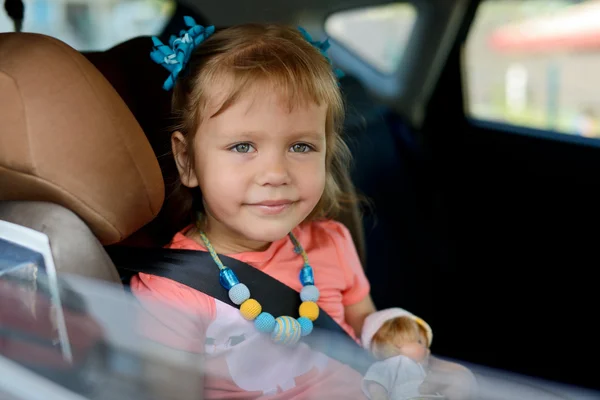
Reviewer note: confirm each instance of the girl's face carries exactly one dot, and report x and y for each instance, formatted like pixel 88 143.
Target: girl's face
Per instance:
pixel 260 167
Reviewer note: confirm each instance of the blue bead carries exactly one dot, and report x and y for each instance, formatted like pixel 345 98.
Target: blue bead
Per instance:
pixel 227 278
pixel 264 323
pixel 306 275
pixel 309 293
pixel 287 331
pixel 306 325
pixel 239 293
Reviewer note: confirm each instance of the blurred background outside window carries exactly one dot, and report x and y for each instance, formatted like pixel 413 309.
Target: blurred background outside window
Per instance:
pixel 378 35
pixel 93 24
pixel 536 64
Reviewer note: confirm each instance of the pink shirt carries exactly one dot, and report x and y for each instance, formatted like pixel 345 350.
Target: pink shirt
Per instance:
pixel 341 282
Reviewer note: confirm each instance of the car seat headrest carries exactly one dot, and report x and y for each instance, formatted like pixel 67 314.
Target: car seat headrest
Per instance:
pixel 138 80
pixel 67 137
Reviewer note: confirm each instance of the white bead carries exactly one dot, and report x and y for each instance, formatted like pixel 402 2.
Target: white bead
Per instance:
pixel 309 293
pixel 239 293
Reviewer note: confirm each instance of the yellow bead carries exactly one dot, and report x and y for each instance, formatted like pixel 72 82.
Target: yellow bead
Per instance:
pixel 309 309
pixel 250 309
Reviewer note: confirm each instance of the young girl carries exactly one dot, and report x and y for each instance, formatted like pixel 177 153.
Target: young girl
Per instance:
pixel 258 145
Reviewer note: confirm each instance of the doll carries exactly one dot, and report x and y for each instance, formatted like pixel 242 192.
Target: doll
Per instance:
pixel 400 341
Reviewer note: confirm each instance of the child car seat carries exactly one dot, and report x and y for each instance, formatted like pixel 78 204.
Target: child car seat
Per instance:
pixel 68 141
pixel 68 138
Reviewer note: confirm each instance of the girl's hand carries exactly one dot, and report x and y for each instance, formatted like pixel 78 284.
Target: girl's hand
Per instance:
pixel 453 381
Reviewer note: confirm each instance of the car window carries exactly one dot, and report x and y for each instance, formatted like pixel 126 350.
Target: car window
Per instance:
pixel 535 64
pixel 378 34
pixel 93 24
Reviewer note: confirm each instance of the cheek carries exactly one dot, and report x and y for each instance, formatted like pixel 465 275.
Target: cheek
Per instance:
pixel 218 183
pixel 312 178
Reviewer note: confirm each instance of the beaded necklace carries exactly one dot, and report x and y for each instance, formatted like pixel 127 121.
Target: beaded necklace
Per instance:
pixel 284 329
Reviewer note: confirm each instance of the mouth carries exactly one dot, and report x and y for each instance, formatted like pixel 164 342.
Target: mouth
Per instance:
pixel 272 207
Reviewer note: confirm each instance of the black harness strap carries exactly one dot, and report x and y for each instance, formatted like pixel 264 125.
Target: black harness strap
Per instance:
pixel 197 270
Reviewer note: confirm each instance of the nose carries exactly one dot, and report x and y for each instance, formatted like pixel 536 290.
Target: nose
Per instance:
pixel 273 171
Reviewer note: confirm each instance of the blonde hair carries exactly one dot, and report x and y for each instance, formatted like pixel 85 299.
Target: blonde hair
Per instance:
pixel 252 54
pixel 404 328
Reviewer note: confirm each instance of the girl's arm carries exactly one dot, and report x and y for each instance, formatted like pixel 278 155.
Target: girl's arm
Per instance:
pixel 355 298
pixel 356 313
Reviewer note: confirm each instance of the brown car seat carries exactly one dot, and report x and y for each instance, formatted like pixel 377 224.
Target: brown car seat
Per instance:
pixel 69 142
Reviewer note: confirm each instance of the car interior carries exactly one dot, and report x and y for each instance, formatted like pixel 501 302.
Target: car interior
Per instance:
pixel 483 227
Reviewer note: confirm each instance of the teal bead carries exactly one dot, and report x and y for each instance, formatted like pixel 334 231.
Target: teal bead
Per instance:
pixel 309 293
pixel 306 325
pixel 239 293
pixel 287 331
pixel 264 323
pixel 306 275
pixel 228 279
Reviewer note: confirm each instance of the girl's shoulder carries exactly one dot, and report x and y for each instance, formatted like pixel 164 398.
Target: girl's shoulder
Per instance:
pixel 181 241
pixel 332 242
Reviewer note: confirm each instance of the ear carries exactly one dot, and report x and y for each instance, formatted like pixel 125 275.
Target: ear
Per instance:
pixel 183 160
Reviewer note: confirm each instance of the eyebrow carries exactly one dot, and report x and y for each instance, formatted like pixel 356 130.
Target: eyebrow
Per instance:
pixel 250 134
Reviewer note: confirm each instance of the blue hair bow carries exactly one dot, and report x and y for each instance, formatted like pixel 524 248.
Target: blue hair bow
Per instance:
pixel 322 47
pixel 175 56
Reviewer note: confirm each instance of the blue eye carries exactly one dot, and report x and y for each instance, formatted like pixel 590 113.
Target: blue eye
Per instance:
pixel 301 148
pixel 243 148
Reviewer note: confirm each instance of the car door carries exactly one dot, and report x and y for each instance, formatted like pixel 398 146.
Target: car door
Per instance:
pixel 514 132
